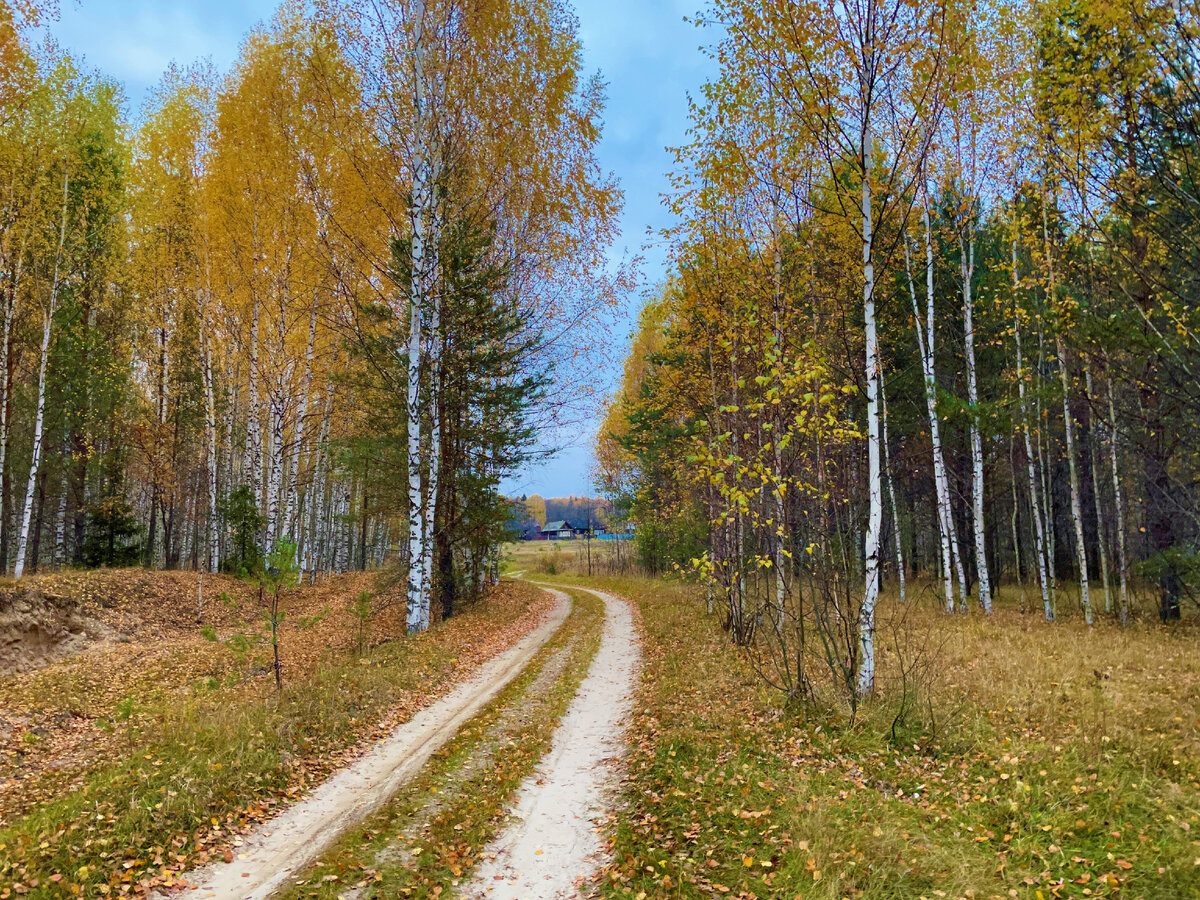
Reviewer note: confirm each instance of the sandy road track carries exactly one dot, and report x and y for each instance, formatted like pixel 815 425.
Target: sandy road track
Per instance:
pixel 554 842
pixel 292 840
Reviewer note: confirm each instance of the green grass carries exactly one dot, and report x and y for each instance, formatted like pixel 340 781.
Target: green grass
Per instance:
pixel 1041 780
pixel 407 850
pixel 205 769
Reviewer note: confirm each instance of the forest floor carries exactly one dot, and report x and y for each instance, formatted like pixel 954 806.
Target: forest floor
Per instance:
pixel 143 743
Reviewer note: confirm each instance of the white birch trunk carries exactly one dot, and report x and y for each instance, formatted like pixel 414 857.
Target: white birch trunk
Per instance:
pixel 967 265
pixel 185 526
pixel 1047 479
pixel 1072 467
pixel 252 458
pixel 275 470
pixel 1016 531
pixel 866 620
pixel 891 486
pixel 1118 506
pixel 316 492
pixel 929 380
pixel 35 463
pixel 293 469
pixel 951 558
pixel 234 461
pixel 1035 506
pixel 341 523
pixel 210 444
pixel 777 493
pixel 1101 531
pixel 425 240
pixel 416 496
pixel 328 552
pixel 435 463
pixel 161 550
pixel 1069 435
pixel 39 420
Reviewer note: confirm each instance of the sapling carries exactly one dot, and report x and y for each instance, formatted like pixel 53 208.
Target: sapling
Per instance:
pixel 360 608
pixel 279 573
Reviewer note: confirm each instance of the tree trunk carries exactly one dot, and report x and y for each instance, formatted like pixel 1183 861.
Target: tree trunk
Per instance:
pixel 1047 479
pixel 1016 532
pixel 60 517
pixel 948 533
pixel 866 621
pixel 252 458
pixel 891 486
pixel 10 309
pixel 275 471
pixel 1101 531
pixel 315 496
pixel 1118 506
pixel 967 263
pixel 38 435
pixel 293 470
pixel 425 240
pixel 1034 504
pixel 212 460
pixel 39 419
pixel 1072 467
pixel 35 550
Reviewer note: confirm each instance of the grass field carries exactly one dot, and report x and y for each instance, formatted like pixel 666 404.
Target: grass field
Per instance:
pixel 1051 761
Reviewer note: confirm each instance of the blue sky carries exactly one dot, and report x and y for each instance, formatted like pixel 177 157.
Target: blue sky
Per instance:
pixel 646 52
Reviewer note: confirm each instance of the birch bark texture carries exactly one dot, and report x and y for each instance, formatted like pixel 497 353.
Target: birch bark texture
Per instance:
pixel 1035 506
pixel 40 416
pixel 424 268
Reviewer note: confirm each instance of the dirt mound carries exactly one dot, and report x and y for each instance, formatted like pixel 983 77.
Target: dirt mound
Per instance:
pixel 46 617
pixel 36 629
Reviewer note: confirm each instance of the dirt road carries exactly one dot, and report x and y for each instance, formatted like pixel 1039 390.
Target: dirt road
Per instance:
pixel 553 842
pixel 289 842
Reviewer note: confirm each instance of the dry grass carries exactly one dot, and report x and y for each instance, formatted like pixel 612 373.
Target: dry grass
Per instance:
pixel 118 796
pixel 1105 689
pixel 1059 762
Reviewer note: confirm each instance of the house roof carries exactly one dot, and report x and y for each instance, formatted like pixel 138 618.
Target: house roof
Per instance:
pixel 558 525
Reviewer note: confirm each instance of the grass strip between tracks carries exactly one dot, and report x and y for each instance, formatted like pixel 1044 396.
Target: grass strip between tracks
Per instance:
pixel 428 838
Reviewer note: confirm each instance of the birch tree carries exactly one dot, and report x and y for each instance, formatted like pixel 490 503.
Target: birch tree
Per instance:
pixel 453 150
pixel 951 557
pixel 49 308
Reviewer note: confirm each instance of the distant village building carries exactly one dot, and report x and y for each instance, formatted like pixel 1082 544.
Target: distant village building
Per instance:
pixel 558 530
